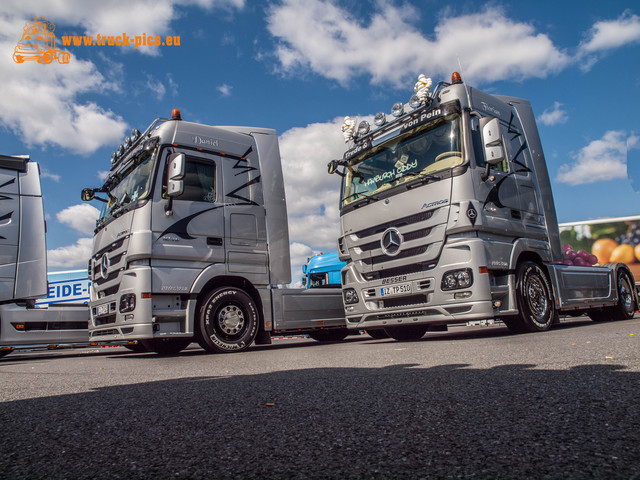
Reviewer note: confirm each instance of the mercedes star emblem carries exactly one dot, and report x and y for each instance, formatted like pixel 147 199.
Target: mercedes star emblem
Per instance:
pixel 391 240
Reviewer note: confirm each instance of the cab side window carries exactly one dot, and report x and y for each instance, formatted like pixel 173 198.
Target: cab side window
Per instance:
pixel 199 181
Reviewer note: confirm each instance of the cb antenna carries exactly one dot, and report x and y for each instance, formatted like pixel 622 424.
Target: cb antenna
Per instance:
pixel 466 89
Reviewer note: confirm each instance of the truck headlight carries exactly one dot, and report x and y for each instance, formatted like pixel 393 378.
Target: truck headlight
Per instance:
pixel 455 279
pixel 350 296
pixel 127 302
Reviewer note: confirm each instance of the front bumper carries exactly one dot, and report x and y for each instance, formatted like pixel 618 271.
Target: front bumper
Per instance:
pixel 109 324
pixel 423 299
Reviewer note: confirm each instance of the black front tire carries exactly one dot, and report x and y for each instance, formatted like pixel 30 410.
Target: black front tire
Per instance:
pixel 329 335
pixel 228 321
pixel 137 347
pixel 166 346
pixel 377 333
pixel 406 332
pixel 535 299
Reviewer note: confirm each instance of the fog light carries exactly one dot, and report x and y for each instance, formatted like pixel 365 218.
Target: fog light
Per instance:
pixel 350 296
pixel 127 302
pixel 462 295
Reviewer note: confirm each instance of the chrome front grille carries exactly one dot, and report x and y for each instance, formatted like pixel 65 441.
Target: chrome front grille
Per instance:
pixel 107 265
pixel 421 236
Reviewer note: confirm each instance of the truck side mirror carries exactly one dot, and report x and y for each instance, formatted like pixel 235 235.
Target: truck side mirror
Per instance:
pixel 332 167
pixel 88 194
pixel 175 183
pixel 492 140
pixel 304 269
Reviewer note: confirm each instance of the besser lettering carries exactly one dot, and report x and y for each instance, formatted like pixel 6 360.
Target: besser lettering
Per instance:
pixel 396 279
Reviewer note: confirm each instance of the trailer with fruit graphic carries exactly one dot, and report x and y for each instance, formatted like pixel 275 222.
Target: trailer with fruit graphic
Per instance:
pixel 602 241
pixel 447 216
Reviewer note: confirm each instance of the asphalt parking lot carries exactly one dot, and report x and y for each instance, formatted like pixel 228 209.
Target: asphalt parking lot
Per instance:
pixel 474 402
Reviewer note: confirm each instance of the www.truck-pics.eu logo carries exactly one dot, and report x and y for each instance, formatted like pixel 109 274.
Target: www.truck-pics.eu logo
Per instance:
pixel 38 42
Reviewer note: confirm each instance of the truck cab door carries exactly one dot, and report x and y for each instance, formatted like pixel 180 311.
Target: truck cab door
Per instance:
pixel 498 194
pixel 195 228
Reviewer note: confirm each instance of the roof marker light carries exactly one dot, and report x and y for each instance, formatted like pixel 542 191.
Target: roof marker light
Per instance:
pixel 363 128
pixel 175 114
pixel 415 101
pixel 397 110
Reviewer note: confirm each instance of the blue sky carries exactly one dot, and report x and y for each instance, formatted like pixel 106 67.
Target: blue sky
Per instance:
pixel 300 67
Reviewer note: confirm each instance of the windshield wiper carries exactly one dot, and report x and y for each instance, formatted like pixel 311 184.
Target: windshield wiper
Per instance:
pixel 369 198
pixel 118 205
pixel 423 177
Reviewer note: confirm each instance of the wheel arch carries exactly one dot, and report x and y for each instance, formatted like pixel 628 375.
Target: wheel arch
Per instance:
pixel 232 281
pixel 529 256
pixel 617 268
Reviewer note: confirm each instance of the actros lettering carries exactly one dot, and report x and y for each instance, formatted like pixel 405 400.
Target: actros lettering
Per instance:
pixel 435 204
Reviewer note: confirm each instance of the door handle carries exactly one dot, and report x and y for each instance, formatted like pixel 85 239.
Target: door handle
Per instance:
pixel 214 241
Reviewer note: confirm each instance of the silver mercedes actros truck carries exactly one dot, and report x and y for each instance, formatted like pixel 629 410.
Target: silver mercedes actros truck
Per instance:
pixel 447 216
pixel 192 243
pixel 23 266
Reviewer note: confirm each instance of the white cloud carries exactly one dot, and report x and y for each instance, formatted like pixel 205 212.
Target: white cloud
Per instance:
pixel 225 90
pixel 553 115
pixel 52 176
pixel 72 256
pixel 601 160
pixel 41 103
pixel 81 217
pixel 299 253
pixel 609 34
pixel 312 194
pixel 323 37
pixel 156 87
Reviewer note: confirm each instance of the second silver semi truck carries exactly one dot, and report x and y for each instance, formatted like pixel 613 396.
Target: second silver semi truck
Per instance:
pixel 192 244
pixel 23 266
pixel 447 216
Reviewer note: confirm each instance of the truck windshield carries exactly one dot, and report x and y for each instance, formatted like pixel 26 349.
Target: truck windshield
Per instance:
pixel 132 184
pixel 418 153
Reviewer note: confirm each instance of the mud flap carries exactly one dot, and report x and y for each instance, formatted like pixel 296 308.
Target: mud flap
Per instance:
pixel 263 338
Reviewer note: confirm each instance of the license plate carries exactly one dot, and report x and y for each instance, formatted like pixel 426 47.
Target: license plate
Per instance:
pixel 395 289
pixel 103 309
